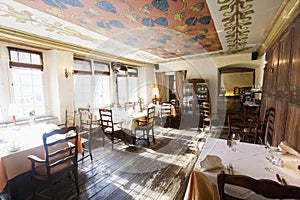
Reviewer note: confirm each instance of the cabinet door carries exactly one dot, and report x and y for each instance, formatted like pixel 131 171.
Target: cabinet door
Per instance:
pixel 201 93
pixel 188 98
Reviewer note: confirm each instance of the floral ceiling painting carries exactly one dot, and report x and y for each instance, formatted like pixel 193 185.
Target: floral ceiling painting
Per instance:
pixel 165 28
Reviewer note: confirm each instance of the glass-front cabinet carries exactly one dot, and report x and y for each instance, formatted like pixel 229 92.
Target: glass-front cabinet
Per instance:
pixel 195 91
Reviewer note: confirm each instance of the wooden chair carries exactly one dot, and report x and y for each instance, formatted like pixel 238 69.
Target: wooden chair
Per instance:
pixel 264 187
pixel 61 159
pixel 266 128
pixel 86 128
pixel 166 114
pixel 206 115
pixel 109 127
pixel 130 105
pixel 244 125
pixel 146 124
pixel 70 118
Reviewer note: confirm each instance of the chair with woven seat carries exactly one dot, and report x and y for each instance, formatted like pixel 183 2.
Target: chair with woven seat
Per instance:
pixel 265 187
pixel 86 128
pixel 109 127
pixel 145 124
pixel 60 160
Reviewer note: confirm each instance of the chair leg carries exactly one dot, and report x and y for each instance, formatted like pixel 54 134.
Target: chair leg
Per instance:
pixel 153 135
pixel 76 181
pixel 112 140
pixel 90 148
pixel 148 140
pixel 33 188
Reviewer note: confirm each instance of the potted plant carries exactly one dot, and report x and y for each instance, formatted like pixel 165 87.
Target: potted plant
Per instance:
pixel 32 115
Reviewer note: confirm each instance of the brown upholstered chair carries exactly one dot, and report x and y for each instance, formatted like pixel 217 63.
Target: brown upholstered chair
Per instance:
pixel 61 151
pixel 146 124
pixel 264 187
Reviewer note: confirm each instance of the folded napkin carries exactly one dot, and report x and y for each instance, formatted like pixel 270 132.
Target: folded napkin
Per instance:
pixel 287 149
pixel 211 162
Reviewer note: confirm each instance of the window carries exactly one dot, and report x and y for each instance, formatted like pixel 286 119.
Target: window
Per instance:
pixel 127 83
pixel 91 84
pixel 27 88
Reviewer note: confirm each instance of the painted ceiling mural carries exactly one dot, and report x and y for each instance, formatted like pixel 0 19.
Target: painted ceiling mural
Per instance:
pixel 166 28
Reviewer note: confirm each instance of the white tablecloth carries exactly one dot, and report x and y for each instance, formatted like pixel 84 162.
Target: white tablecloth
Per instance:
pixel 27 140
pixel 250 160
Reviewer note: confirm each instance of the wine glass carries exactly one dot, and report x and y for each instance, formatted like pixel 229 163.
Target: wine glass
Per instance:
pixel 235 139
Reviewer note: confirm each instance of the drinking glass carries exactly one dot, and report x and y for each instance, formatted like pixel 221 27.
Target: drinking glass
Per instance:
pixel 235 139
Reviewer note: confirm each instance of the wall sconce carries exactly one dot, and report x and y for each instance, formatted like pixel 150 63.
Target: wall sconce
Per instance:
pixel 269 68
pixel 69 73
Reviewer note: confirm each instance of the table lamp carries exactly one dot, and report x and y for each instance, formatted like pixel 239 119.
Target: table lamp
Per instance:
pixel 12 111
pixel 155 93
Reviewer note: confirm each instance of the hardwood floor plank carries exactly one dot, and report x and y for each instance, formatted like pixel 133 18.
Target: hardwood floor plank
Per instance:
pixel 160 171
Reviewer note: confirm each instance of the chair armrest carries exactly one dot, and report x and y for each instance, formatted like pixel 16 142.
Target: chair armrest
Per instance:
pixel 34 158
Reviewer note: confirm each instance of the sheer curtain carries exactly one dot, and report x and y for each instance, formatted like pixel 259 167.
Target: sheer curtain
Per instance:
pixel 161 82
pixel 179 76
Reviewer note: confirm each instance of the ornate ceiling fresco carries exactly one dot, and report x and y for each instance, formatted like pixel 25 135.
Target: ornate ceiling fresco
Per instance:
pixel 166 28
pixel 154 30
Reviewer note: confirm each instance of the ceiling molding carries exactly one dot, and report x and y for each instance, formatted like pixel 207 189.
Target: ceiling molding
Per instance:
pixel 36 41
pixel 289 9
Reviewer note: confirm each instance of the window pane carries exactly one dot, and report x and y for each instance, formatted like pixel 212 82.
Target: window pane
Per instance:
pixel 82 65
pixel 28 91
pixel 133 89
pixel 102 67
pixel 14 56
pixel 122 90
pixel 36 59
pixel 102 88
pixel 83 91
pixel 24 57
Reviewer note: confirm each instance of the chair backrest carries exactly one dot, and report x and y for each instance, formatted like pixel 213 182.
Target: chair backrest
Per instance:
pixel 269 125
pixel 130 105
pixel 206 110
pixel 150 114
pixel 61 149
pixel 106 119
pixel 245 125
pixel 70 118
pixel 86 119
pixel 166 109
pixel 264 187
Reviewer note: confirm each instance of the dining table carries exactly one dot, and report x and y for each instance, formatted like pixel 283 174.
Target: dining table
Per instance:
pixel 245 159
pixel 16 143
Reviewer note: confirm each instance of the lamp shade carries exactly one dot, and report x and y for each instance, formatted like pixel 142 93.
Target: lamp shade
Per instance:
pixel 155 92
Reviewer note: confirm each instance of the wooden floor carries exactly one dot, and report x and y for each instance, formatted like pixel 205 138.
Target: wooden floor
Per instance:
pixel 160 171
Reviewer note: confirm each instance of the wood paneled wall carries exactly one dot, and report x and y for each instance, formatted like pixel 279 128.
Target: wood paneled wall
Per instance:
pixel 281 88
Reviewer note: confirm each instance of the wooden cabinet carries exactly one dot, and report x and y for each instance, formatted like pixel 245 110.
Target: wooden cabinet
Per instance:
pixel 281 86
pixel 195 91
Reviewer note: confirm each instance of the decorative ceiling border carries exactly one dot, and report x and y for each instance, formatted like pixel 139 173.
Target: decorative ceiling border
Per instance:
pixel 288 11
pixel 237 16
